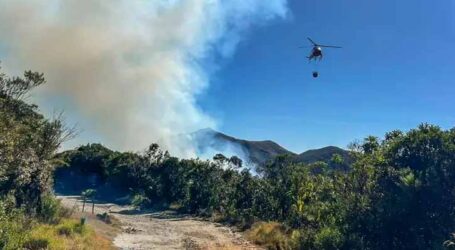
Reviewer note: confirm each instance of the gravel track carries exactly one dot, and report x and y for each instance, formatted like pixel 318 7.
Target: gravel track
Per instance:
pixel 164 229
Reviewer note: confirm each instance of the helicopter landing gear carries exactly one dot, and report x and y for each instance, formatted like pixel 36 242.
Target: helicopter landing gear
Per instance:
pixel 315 74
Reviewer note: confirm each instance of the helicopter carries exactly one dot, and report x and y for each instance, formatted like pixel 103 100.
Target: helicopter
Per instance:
pixel 316 53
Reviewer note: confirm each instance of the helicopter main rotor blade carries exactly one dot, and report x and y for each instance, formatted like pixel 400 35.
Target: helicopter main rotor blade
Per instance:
pixel 315 44
pixel 301 47
pixel 328 46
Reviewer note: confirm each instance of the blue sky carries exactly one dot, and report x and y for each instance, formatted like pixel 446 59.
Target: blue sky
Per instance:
pixel 395 71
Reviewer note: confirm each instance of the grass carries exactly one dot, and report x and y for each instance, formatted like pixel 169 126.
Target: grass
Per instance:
pixel 271 235
pixel 68 234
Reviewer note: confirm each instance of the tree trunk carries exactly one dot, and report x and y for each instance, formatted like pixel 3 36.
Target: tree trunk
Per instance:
pixel 93 206
pixel 83 205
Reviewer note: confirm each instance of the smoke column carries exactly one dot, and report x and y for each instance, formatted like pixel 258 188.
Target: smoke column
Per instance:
pixel 131 70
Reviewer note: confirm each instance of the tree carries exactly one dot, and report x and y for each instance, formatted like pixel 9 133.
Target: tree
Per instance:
pixel 28 142
pixel 88 194
pixel 398 194
pixel 236 161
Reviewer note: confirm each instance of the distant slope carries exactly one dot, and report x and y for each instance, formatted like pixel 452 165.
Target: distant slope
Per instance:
pixel 323 154
pixel 257 152
pixel 209 141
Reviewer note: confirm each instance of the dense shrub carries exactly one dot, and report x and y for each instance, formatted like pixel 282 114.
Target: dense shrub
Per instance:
pixel 271 235
pixel 68 234
pixel 140 201
pixel 36 244
pixel 328 238
pixel 30 216
pixel 52 211
pixel 13 227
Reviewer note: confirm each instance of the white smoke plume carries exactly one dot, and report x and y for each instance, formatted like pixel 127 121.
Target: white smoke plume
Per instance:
pixel 131 69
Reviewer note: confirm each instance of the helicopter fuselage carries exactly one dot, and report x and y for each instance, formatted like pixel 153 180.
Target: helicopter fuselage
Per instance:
pixel 316 52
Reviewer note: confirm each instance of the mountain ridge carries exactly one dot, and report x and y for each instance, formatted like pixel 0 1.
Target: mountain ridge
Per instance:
pixel 259 151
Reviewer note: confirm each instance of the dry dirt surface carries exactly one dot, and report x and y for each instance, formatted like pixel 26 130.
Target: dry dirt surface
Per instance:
pixel 163 229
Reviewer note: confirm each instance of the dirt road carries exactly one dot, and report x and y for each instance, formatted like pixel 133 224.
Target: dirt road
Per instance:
pixel 164 229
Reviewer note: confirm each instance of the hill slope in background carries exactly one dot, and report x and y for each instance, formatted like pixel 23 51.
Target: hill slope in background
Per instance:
pixel 323 154
pixel 209 142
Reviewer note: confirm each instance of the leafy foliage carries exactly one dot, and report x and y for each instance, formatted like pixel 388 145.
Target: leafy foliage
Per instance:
pixel 29 213
pixel 13 227
pixel 28 142
pixel 398 194
pixel 68 234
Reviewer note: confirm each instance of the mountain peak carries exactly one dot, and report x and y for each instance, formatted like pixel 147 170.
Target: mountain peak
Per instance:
pixel 210 142
pixel 205 130
pixel 256 152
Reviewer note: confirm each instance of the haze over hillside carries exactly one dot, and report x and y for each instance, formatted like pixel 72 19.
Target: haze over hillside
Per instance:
pixel 209 142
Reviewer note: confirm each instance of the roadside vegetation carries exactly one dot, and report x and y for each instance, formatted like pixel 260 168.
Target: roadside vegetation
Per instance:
pixel 30 216
pixel 398 194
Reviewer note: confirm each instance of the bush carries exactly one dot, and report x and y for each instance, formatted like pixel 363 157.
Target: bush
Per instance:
pixel 65 230
pixel 140 201
pixel 52 211
pixel 68 234
pixel 450 244
pixel 82 221
pixel 328 238
pixel 13 228
pixel 79 228
pixel 104 217
pixel 36 244
pixel 271 235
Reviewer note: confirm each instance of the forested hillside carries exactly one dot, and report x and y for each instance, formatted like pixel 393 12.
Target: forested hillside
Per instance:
pixel 254 152
pixel 258 153
pixel 398 194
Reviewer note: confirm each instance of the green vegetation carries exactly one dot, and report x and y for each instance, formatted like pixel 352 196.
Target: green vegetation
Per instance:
pixel 27 144
pixel 397 194
pixel 30 216
pixel 68 234
pixel 88 194
pixel 272 235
